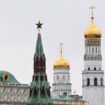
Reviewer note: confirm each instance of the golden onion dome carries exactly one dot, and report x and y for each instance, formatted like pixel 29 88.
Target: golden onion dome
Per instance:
pixel 61 63
pixel 92 30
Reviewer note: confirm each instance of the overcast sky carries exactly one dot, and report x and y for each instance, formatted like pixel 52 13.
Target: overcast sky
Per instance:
pixel 64 21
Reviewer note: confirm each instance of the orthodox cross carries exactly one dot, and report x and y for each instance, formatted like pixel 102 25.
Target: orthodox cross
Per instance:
pixel 92 10
pixel 61 48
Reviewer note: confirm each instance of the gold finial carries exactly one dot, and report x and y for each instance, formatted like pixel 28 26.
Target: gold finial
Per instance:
pixel 39 26
pixel 92 10
pixel 61 48
pixel 5 77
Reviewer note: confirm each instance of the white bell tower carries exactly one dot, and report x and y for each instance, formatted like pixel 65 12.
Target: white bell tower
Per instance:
pixel 61 77
pixel 93 75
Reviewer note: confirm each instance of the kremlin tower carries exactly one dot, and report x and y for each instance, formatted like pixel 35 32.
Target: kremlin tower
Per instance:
pixel 40 88
pixel 93 75
pixel 61 78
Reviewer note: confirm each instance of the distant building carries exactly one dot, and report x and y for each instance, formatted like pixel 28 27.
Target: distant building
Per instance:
pixel 61 88
pixel 11 91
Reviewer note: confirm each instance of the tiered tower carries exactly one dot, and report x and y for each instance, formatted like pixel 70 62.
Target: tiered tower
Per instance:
pixel 40 88
pixel 93 75
pixel 61 78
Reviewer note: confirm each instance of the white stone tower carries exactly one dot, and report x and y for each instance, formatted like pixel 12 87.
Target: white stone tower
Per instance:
pixel 61 78
pixel 93 75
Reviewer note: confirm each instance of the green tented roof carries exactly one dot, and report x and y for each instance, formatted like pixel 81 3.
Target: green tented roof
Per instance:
pixel 8 78
pixel 39 47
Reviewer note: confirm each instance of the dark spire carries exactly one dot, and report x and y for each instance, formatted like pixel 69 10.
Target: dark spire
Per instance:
pixel 39 47
pixel 39 57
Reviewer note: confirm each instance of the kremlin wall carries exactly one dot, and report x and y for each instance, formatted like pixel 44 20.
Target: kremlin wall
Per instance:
pixel 12 92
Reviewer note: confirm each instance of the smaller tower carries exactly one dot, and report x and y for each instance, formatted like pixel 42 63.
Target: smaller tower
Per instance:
pixel 61 78
pixel 40 88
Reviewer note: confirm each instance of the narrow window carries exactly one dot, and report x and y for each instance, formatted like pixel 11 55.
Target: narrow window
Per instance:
pixel 88 82
pixel 101 82
pixel 89 49
pixel 63 77
pixel 89 68
pixel 95 68
pixel 36 78
pixel 83 82
pixel 92 50
pixel 96 49
pixel 57 77
pixel 45 78
pixel 41 78
pixel 95 81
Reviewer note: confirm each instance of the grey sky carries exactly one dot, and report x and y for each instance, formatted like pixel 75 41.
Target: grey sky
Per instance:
pixel 64 21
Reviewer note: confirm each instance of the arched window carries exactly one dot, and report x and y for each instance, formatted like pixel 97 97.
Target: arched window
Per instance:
pixel 63 77
pixel 57 77
pixel 94 68
pixel 101 82
pixel 88 82
pixel 92 50
pixel 89 49
pixel 89 68
pixel 96 49
pixel 95 81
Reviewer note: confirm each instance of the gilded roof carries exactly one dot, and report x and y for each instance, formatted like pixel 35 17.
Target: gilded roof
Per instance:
pixel 61 63
pixel 92 30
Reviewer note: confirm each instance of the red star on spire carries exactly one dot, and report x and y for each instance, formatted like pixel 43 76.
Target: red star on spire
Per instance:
pixel 39 25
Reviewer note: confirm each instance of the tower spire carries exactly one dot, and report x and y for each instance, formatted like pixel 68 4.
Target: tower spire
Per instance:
pixel 40 88
pixel 39 57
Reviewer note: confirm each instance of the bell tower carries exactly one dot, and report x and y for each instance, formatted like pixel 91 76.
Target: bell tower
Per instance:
pixel 93 75
pixel 61 77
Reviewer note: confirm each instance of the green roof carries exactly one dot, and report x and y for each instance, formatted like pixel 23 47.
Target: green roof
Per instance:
pixel 39 47
pixel 8 78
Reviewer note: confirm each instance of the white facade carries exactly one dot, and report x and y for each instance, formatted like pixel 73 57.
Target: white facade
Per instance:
pixel 61 80
pixel 14 94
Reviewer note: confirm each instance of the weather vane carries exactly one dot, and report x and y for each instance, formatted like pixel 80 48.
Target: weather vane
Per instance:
pixel 39 26
pixel 61 48
pixel 92 10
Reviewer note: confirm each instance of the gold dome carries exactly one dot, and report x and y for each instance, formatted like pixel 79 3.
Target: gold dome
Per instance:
pixel 61 63
pixel 92 31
